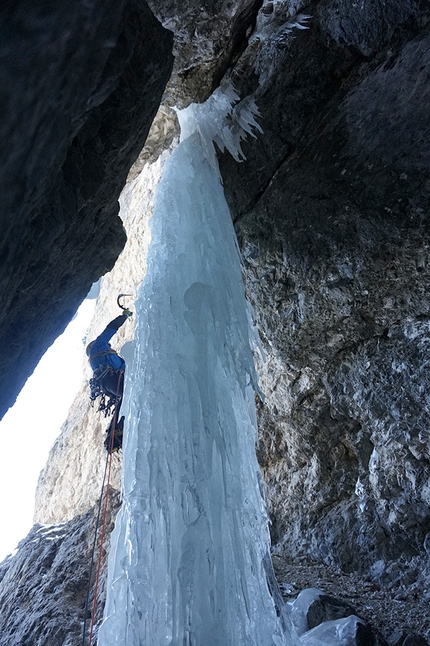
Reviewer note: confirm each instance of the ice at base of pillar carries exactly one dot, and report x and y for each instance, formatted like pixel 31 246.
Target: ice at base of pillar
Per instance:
pixel 190 548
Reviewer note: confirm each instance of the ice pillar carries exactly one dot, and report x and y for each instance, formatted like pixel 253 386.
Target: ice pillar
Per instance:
pixel 190 543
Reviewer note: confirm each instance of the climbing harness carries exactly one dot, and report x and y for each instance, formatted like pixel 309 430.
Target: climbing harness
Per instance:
pixel 105 491
pixel 107 403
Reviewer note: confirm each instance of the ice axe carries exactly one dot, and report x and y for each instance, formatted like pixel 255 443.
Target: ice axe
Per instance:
pixel 118 300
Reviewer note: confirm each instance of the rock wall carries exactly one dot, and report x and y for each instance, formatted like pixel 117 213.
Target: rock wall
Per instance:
pixel 335 236
pixel 81 86
pixel 44 588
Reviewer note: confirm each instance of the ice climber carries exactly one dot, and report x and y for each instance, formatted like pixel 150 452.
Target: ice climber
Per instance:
pixel 108 378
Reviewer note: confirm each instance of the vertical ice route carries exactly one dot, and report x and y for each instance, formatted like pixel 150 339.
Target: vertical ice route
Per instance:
pixel 188 551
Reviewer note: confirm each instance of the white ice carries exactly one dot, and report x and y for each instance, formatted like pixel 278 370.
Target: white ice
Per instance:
pixel 299 609
pixel 190 556
pixel 339 632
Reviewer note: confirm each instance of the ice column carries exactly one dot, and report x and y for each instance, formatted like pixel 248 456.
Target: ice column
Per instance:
pixel 187 564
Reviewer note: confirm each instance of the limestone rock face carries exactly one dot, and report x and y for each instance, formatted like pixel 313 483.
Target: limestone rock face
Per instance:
pixel 334 233
pixel 209 36
pixel 81 85
pixel 44 586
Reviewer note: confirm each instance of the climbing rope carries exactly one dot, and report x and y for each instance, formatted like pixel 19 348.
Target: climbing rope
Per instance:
pixel 107 472
pixel 93 553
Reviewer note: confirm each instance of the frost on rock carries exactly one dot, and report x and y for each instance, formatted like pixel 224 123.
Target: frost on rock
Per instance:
pixel 189 561
pixel 276 23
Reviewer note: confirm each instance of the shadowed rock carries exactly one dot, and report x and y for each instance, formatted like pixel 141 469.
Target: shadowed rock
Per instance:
pixel 44 585
pixel 80 87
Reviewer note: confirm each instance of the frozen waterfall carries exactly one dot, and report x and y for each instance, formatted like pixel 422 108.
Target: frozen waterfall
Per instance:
pixel 189 558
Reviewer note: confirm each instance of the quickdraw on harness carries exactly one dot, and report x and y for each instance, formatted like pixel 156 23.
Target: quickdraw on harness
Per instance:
pixel 107 403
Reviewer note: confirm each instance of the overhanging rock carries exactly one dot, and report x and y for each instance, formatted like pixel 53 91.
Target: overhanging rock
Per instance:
pixel 73 122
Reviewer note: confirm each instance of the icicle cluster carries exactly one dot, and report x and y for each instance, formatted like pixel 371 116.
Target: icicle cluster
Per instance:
pixel 222 119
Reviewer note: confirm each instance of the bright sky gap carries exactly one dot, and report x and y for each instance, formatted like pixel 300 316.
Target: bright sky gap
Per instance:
pixel 31 426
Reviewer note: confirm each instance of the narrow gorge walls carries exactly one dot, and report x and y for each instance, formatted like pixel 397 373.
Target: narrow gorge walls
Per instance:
pixel 81 86
pixel 331 211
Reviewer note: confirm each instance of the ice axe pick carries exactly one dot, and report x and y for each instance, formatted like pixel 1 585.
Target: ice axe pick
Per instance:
pixel 118 300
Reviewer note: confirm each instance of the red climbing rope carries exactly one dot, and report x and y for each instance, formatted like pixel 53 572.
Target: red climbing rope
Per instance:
pixel 112 437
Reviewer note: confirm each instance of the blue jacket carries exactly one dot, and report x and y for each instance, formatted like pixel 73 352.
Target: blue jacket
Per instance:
pixel 101 353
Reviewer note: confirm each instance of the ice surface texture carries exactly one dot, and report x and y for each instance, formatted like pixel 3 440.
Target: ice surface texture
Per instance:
pixel 187 560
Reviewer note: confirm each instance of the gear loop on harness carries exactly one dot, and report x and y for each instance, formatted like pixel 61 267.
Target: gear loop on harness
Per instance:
pixel 107 404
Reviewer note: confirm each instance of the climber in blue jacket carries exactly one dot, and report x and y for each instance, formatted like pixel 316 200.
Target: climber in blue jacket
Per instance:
pixel 108 368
